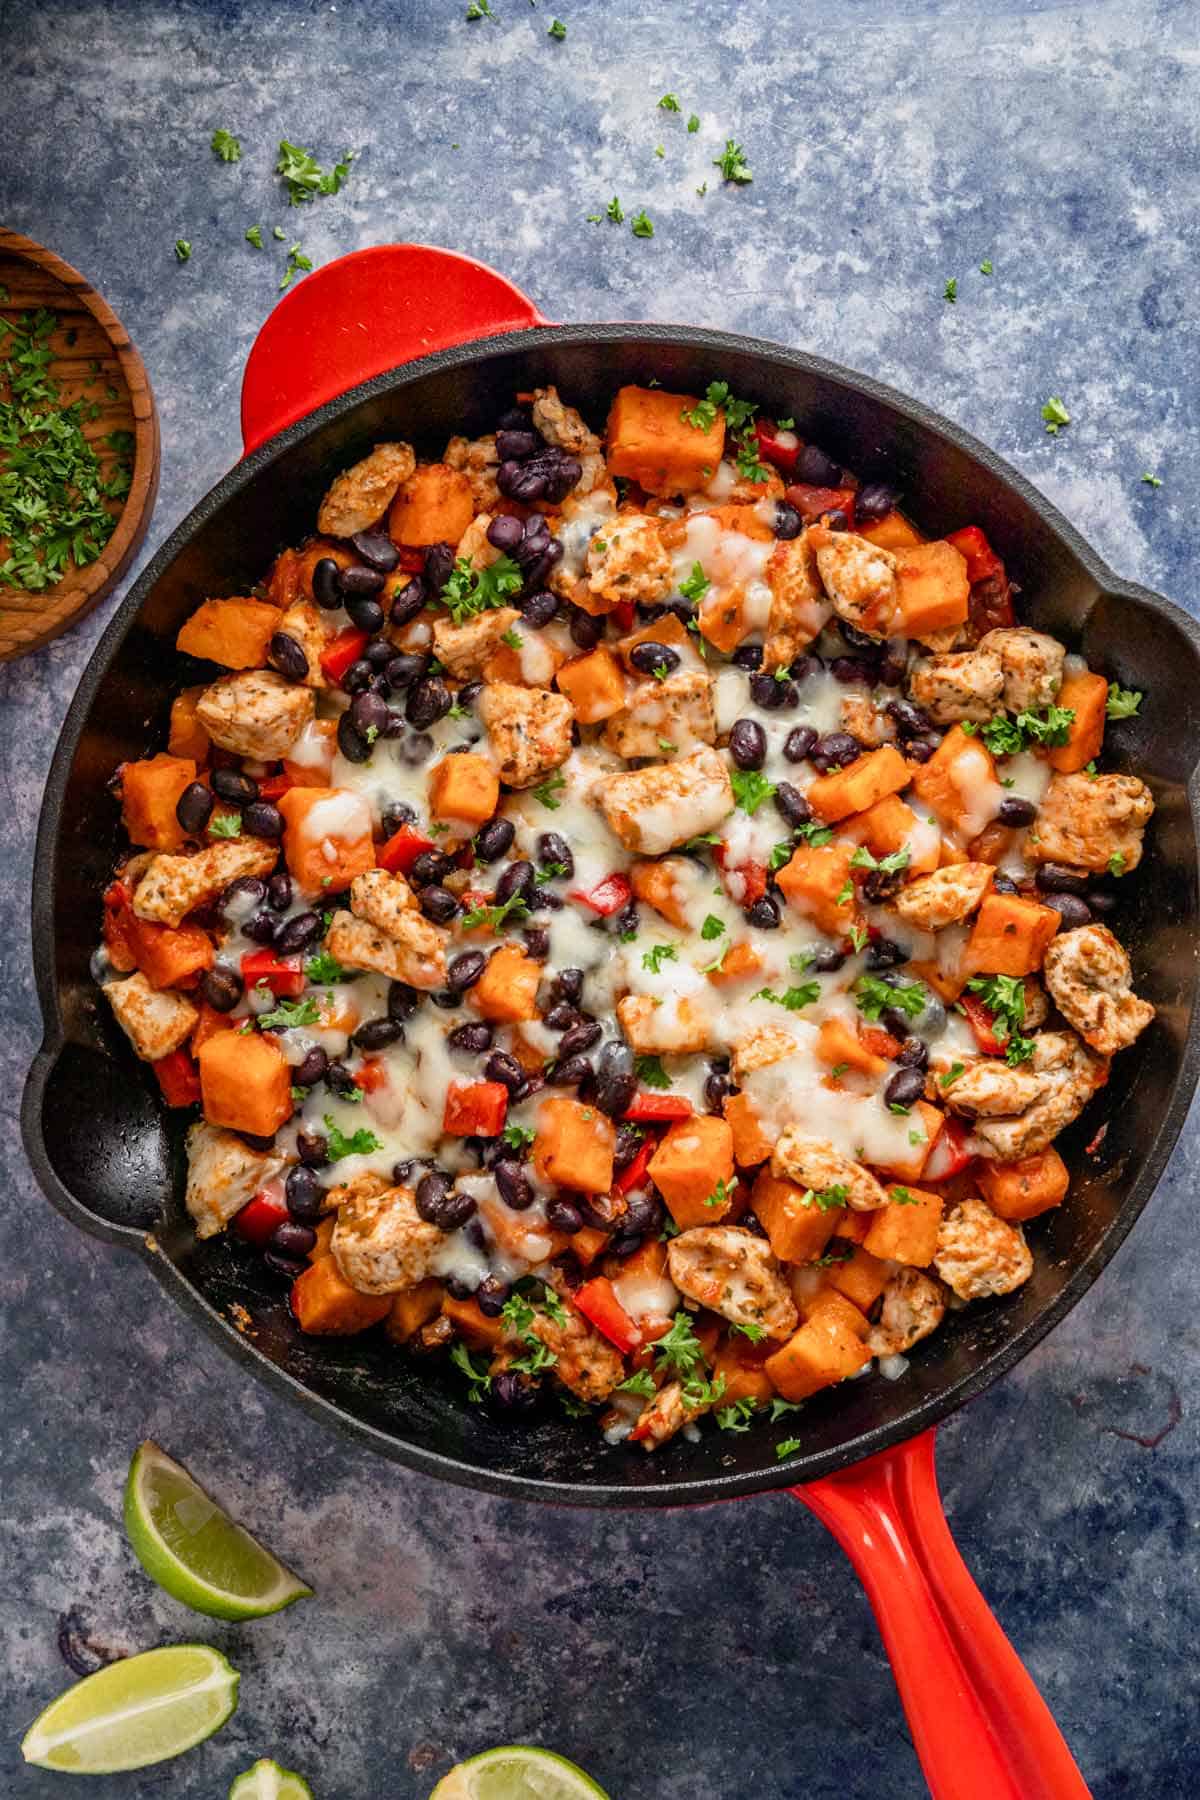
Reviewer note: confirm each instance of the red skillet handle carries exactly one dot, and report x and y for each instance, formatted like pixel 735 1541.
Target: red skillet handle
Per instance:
pixel 980 1727
pixel 365 313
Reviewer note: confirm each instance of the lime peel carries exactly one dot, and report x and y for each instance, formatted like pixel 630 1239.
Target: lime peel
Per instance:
pixel 267 1781
pixel 517 1772
pixel 141 1710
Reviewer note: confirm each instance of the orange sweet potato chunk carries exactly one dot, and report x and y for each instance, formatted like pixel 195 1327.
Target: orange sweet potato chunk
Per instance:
pixel 150 791
pixel 890 825
pixel 750 1145
pixel 1025 1189
pixel 234 633
pixel 651 442
pixel 797 1233
pixel 325 1305
pixel 817 882
pixel 892 532
pixel 434 506
pixel 507 990
pixel 906 1229
pixel 823 1351
pixel 1087 697
pixel 245 1083
pixel 861 1278
pixel 304 852
pixel 840 1046
pixel 464 790
pixel 1009 936
pixel 959 766
pixel 860 785
pixel 169 956
pixel 186 735
pixel 693 1162
pixel 574 1146
pixel 933 588
pixel 594 685
pixel 410 1310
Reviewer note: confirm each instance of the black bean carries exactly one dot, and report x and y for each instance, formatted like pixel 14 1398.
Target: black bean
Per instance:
pixel 256 1142
pixel 717 1088
pixel 291 1238
pixel 914 1051
pixel 788 522
pixel 491 1296
pixel 194 808
pixel 493 839
pixel 580 1037
pixel 920 749
pixel 552 847
pixel 892 667
pixel 1060 878
pixel 287 1268
pixel 519 878
pixel 563 1215
pixel 473 1038
pixel 464 971
pixel 537 942
pixel 350 740
pixel 1016 811
pixel 299 932
pixel 312 1149
pixel 535 539
pixel 377 1034
pixel 532 1084
pixel 850 671
pixel 262 819
pixel 287 655
pixel 365 613
pixel 505 533
pixel 279 891
pixel 438 904
pixel 429 866
pixel 792 805
pixel 765 913
pixel 1071 909
pixel 748 744
pixel 232 785
pixel 261 928
pixel 511 1393
pixel 836 749
pixel 568 986
pixel 748 656
pixel 428 701
pixel 826 959
pixel 905 1087
pixel 517 418
pixel 836 520
pixel 1100 902
pixel 616 1082
pixel 628 1142
pixel 439 565
pixel 408 601
pixel 1004 884
pixel 502 1067
pixel 625 921
pixel 359 582
pixel 570 1072
pixel 885 953
pixel 766 692
pixel 799 742
pixel 377 549
pixel 402 1000
pixel 340 1081
pixel 440 1205
pixel 586 631
pixel 312 1069
pixel 358 677
pixel 514 1185
pixel 652 658
pixel 303 1192
pixel 514 446
pixel 222 989
pixel 910 720
pixel 537 609
pixel 325 588
pixel 874 500
pixel 815 469
pixel 369 713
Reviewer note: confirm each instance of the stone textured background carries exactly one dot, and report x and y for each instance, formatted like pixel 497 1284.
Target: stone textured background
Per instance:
pixel 698 1655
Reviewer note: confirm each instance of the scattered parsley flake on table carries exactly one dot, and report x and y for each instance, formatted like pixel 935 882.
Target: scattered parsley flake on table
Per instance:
pixel 669 103
pixel 1055 414
pixel 303 175
pixel 985 267
pixel 693 123
pixel 183 250
pixel 254 236
pixel 225 145
pixel 732 164
pixel 641 226
pixel 557 30
pixel 615 211
pixel 296 262
pixel 1152 480
pixel 950 291
pixel 479 9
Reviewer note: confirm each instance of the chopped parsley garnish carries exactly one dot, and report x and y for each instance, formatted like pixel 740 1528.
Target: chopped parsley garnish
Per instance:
pixel 297 264
pixel 756 1333
pixel 780 1407
pixel 650 1072
pixel 732 164
pixel 641 226
pixel 518 1315
pixel 254 236
pixel 225 825
pixel 794 999
pixel 183 250
pixel 712 928
pixel 702 842
pixel 952 1074
pixel 985 267
pixel 697 1392
pixel 469 591
pixel 1006 737
pixel 495 917
pixel 479 1379
pixel 518 1137
pixel 858 935
pixel 359 1143
pixel 696 585
pixel 557 29
pixel 1116 863
pixel 786 1447
pixel 750 789
pixel 1004 997
pixel 680 1350
pixel 289 1013
pixel 1055 414
pixel 512 638
pixel 813 834
pixel 1122 703
pixel 278 233
pixel 547 791
pixel 552 872
pixel 661 953
pixel 888 865
pixel 693 123
pixel 950 291
pixel 659 150
pixel 721 1195
pixel 826 1199
pixel 718 961
pixel 874 997
pixel 615 211
pixel 902 1197
pixel 303 175
pixel 479 9
pixel 736 1416
pixel 669 103
pixel 666 746
pixel 781 853
pixel 1152 480
pixel 703 416
pixel 640 1382
pixel 844 894
pixel 225 145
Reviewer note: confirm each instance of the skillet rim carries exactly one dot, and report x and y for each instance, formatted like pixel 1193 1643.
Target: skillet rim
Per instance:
pixel 680 1491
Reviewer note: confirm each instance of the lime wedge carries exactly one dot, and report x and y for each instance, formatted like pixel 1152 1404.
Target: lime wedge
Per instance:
pixel 141 1710
pixel 267 1781
pixel 194 1550
pixel 517 1772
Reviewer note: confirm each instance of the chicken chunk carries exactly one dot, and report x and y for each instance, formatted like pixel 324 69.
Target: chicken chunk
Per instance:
pixel 1074 1074
pixel 979 1254
pixel 989 1088
pixel 155 1020
pixel 256 713
pixel 932 902
pixel 676 712
pixel 666 1415
pixel 673 1027
pixel 479 460
pixel 381 1243
pixel 174 886
pixel 629 561
pixel 357 1191
pixel 732 1270
pixel 362 494
pixel 307 625
pixel 1032 664
pixel 223 1174
pixel 814 1163
pixel 529 729
pixel 466 648
pixel 762 1048
pixel 1091 983
pixel 587 1363
pixel 385 901
pixel 561 425
pixel 799 607
pixel 414 951
pixel 1092 823
pixel 656 809
pixel 966 685
pixel 866 720
pixel 913 1306
pixel 858 577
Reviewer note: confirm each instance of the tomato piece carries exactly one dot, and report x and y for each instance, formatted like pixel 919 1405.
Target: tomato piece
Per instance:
pixel 258 1218
pixel 981 559
pixel 475 1109
pixel 774 446
pixel 345 649
pixel 635 1175
pixel 607 897
pixel 597 1301
pixel 402 850
pixel 179 1078
pixel 982 1021
pixel 652 1108
pixel 949 1155
pixel 284 975
pixel 371 1076
pixel 275 786
pixel 812 502
pixel 622 615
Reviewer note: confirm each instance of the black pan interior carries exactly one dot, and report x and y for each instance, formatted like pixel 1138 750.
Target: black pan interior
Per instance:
pixel 106 1153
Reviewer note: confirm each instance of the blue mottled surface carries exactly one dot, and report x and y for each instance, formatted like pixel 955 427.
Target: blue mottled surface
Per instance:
pixel 708 1655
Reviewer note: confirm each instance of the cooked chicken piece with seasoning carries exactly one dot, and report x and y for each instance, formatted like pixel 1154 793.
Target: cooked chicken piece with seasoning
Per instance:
pixel 767 1045
pixel 411 950
pixel 1032 664
pixel 1073 1073
pixel 663 717
pixel 529 730
pixel 1092 822
pixel 666 1415
pixel 913 1305
pixel 968 684
pixel 385 901
pixel 1091 983
pixel 815 1163
pixel 652 810
pixel 307 626
pixel 562 425
pixel 223 1174
pixel 479 461
pixel 629 561
pixel 867 720
pixel 733 1272
pixel 586 1363
pixel 987 1088
pixel 932 902
pixel 979 1255
pixel 799 606
pixel 258 713
pixel 858 577
pixel 155 1022
pixel 674 1027
pixel 174 886
pixel 361 495
pixel 467 647
pixel 381 1243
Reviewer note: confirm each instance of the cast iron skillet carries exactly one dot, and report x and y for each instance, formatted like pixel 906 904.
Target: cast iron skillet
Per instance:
pixel 111 1160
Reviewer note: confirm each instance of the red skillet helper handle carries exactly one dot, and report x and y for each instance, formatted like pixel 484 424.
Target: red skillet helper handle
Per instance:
pixel 363 314
pixel 980 1727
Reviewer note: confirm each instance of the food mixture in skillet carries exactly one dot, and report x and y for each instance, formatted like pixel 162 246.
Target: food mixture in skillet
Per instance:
pixel 631 913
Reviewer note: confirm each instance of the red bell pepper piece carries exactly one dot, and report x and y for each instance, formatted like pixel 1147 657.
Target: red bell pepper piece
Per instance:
pixel 776 446
pixel 258 1218
pixel 345 649
pixel 371 1076
pixel 179 1078
pixel 475 1108
pixel 634 1175
pixel 622 615
pixel 597 1301
pixel 981 559
pixel 949 1155
pixel 412 560
pixel 647 1108
pixel 284 975
pixel 275 786
pixel 120 928
pixel 607 897
pixel 811 502
pixel 982 1021
pixel 402 850
pixel 752 878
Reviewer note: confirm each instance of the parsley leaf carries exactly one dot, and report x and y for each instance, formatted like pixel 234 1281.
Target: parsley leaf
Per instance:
pixel 1006 737
pixel 756 1333
pixel 814 834
pixel 495 917
pixel 890 865
pixel 712 928
pixel 254 236
pixel 1152 480
pixel 650 1072
pixel 950 291
pixel 1122 703
pixel 703 841
pixel 732 164
pixel 669 103
pixel 787 1447
pixel 874 997
pixel 303 175
pixel 640 1382
pixel 548 791
pixel 795 998
pixel 469 591
pixel 1116 863
pixel 693 123
pixel 289 1013
pixel 557 30
pixel 518 1137
pixel 183 250
pixel 900 1196
pixel 826 1199
pixel 641 226
pixel 736 1416
pixel 680 1350
pixel 952 1074
pixel 297 263
pixel 225 825
pixel 512 638
pixel 750 789
pixel 696 584
pixel 1055 414
pixel 985 267
pixel 615 211
pixel 337 1144
pixel 721 1194
pixel 661 953
pixel 780 1407
pixel 225 145
pixel 480 1380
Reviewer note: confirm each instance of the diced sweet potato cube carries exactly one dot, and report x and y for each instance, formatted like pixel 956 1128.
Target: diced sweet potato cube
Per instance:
pixel 1025 1189
pixel 740 961
pixel 245 1083
pixel 827 1302
pixel 690 1165
pixel 472 1324
pixel 574 1146
pixel 839 1045
pixel 925 1124
pixel 906 1229
pixel 750 1145
pixel 852 1227
pixel 861 1278
pixel 149 793
pixel 411 1310
pixel 327 837
pixel 325 1305
pixel 209 1024
pixel 817 882
pixel 958 770
pixel 892 532
pixel 186 735
pixel 234 633
pixel 666 629
pixel 434 506
pixel 823 1351
pixel 725 618
pixel 507 989
pixel 861 784
pixel 892 825
pixel 650 441
pixel 658 883
pixel 311 761
pixel 932 587
pixel 1009 936
pixel 1087 697
pixel 168 956
pixel 590 1243
pixel 744 1374
pixel 594 684
pixel 463 790
pixel 797 1233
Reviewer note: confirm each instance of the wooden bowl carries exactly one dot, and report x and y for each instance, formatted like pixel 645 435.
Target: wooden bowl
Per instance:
pixel 93 360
